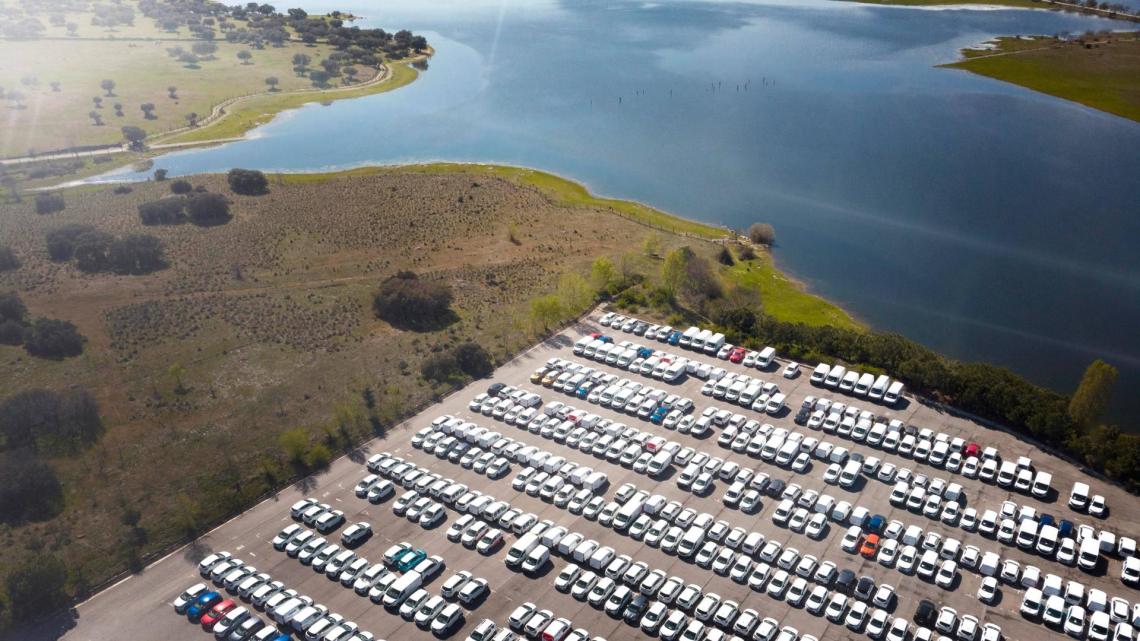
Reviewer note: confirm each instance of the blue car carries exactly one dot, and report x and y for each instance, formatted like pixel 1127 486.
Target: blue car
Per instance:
pixel 644 352
pixel 674 337
pixel 876 523
pixel 583 390
pixel 1046 519
pixel 1065 529
pixel 606 339
pixel 202 605
pixel 659 415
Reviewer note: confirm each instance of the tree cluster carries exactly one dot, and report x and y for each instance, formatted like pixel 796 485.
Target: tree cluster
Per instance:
pixel 96 251
pixel 465 360
pixel 49 202
pixel 42 337
pixel 29 489
pixel 36 586
pixel 409 302
pixel 200 208
pixel 41 420
pixel 249 182
pixel 762 234
pixel 8 260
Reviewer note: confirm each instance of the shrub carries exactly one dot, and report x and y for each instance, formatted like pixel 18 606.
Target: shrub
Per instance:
pixel 8 260
pixel 440 368
pixel 249 182
pixel 11 332
pixel 406 301
pixel 40 419
pixel 724 257
pixel 762 234
pixel 318 456
pixel 181 187
pixel 295 442
pixel 50 338
pixel 48 203
pixel 36 587
pixel 745 252
pixel 92 251
pixel 165 211
pixel 136 254
pixel 12 308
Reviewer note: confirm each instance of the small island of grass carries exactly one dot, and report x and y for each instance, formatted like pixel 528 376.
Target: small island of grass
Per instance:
pixel 1101 71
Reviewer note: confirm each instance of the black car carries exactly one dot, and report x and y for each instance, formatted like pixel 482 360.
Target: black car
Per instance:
pixel 864 588
pixel 845 581
pixel 802 416
pixel 925 614
pixel 635 610
pixel 775 489
pixel 495 388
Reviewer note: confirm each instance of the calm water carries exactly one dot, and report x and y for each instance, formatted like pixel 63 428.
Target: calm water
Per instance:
pixel 984 220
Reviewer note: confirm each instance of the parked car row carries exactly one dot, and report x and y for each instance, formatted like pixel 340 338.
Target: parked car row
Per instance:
pixel 881 388
pixel 533 623
pixel 289 610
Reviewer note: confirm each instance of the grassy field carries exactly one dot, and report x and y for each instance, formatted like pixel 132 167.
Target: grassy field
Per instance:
pixel 785 299
pixel 51 117
pixel 1102 72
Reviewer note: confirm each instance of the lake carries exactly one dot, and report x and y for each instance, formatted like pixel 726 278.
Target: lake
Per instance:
pixel 984 220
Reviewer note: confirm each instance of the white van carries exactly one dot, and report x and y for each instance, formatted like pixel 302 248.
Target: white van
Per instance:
pixel 1042 484
pixel 850 474
pixel 1079 497
pixel 879 387
pixel 402 589
pixel 698 343
pixel 690 542
pixel 659 463
pixel 787 452
pixel 820 373
pixel 688 336
pixel 1089 555
pixel 863 385
pixel 835 375
pixel 674 371
pixel 775 404
pixel 285 610
pixel 714 343
pixel 628 513
pixel 750 394
pixel 894 393
pixel 765 358
pixel 520 549
pixel 849 380
pixel 581 343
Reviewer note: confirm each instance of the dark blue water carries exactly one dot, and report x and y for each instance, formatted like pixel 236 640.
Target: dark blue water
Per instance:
pixel 984 220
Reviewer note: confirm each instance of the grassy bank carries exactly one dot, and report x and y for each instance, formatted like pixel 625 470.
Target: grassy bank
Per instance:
pixel 1102 72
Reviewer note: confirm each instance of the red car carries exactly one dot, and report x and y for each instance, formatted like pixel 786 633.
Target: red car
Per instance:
pixel 737 354
pixel 972 449
pixel 216 613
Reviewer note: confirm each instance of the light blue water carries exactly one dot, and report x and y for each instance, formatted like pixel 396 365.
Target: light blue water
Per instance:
pixel 984 220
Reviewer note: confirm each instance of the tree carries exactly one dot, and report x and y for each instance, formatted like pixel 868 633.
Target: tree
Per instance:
pixel 176 372
pixel 97 101
pixel 249 182
pixel 574 292
pixel 49 202
pixel 118 109
pixel 8 260
pixel 473 360
pixel 441 368
pixel 92 251
pixel 55 86
pixel 272 81
pixel 545 311
pixel 29 489
pixel 207 209
pixel 96 119
pixel 36 586
pixel 295 442
pixel 136 254
pixel 12 308
pixel 56 422
pixel 319 77
pixel 61 241
pixel 159 175
pixel 181 187
pixel 1090 400
pixel 409 302
pixel 148 110
pixel 350 72
pixel 134 135
pixel 603 274
pixel 192 118
pixel 724 257
pixel 651 246
pixel 108 86
pixel 245 56
pixel 762 234
pixel 55 339
pixel 172 91
pixel 318 456
pixel 204 49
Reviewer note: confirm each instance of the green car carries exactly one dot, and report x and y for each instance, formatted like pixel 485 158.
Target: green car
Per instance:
pixel 409 559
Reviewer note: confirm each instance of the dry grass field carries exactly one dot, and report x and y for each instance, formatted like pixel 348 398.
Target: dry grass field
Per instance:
pixel 268 322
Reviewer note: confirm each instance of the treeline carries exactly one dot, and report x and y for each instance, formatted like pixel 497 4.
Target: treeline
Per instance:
pixel 42 337
pixel 200 208
pixel 97 251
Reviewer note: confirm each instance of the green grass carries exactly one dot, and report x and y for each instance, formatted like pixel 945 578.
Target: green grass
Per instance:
pixel 785 299
pixel 257 110
pixel 1103 74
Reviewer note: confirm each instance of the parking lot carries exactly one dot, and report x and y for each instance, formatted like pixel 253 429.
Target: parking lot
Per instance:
pixel 139 608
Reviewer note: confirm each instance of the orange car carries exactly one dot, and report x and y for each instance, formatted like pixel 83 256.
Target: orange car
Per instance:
pixel 870 546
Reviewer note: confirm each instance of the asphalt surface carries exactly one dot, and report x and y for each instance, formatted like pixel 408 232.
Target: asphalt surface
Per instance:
pixel 138 608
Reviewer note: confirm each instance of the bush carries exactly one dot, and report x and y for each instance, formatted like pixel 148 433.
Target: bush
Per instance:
pixel 441 368
pixel 11 333
pixel 8 260
pixel 50 338
pixel 29 489
pixel 36 587
pixel 295 442
pixel 724 257
pixel 136 254
pixel 92 251
pixel 249 182
pixel 745 252
pixel 165 211
pixel 48 203
pixel 406 301
pixel 762 234
pixel 181 187
pixel 319 456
